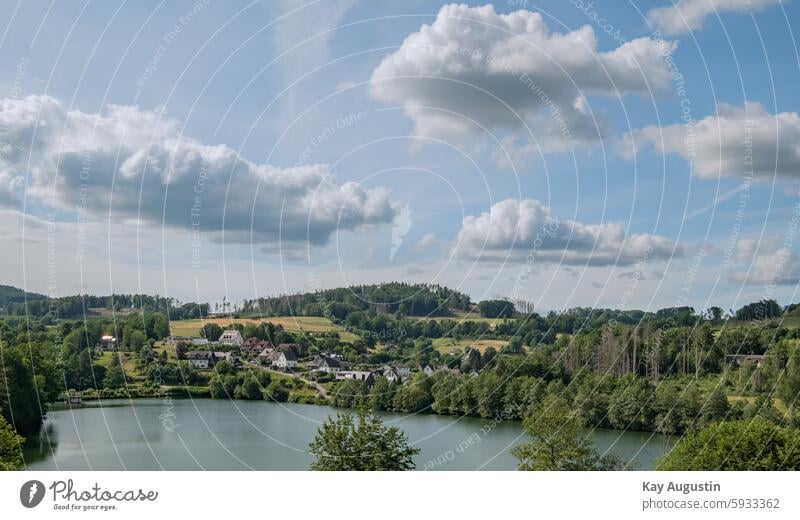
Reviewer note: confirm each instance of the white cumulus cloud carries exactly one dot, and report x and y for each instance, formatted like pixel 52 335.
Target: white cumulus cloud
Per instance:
pixel 521 230
pixel 688 15
pixel 746 141
pixel 499 70
pixel 131 163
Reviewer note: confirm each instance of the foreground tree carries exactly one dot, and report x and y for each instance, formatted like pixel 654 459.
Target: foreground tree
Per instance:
pixel 752 445
pixel 10 443
pixel 559 441
pixel 789 384
pixel 361 443
pixel 115 377
pixel 211 331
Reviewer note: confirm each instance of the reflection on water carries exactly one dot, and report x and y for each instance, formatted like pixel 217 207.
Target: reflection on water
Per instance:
pixel 147 434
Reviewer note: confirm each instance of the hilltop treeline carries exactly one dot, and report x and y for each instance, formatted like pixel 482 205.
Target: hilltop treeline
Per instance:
pixel 14 302
pixel 394 297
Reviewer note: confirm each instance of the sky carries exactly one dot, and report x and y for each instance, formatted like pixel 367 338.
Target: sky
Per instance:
pixel 624 154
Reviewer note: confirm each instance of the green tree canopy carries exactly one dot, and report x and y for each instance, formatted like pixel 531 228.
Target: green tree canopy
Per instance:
pixel 496 309
pixel 752 445
pixel 558 441
pixel 348 443
pixel 10 442
pixel 115 377
pixel 211 331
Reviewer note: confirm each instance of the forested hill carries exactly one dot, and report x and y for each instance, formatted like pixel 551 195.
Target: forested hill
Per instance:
pixel 11 295
pixel 393 298
pixel 14 303
pixel 408 299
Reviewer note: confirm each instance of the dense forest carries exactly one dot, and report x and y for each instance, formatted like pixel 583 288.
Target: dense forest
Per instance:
pixel 407 299
pixel 16 302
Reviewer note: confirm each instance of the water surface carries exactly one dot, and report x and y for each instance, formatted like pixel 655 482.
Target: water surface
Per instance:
pixel 207 434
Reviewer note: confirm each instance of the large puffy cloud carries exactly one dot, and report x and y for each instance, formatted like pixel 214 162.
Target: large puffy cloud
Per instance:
pixel 688 15
pixel 135 164
pixel 746 141
pixel 469 55
pixel 515 230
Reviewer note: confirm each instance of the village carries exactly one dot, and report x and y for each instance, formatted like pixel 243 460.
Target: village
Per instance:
pixel 289 358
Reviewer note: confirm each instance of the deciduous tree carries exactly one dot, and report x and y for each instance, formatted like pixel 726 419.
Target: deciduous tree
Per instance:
pixel 361 443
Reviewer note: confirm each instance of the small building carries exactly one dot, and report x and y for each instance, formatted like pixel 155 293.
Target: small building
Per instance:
pixel 427 370
pixel 225 356
pixel 284 359
pixel 174 340
pixel 265 356
pixel 390 374
pixel 231 338
pixel 396 373
pixel 199 342
pixel 328 365
pixel 107 343
pixel 403 371
pixel 739 359
pixel 253 347
pixel 201 359
pixel 358 375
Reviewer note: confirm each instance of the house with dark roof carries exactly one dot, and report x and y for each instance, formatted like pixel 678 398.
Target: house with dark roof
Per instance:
pixel 201 359
pixel 284 359
pixel 328 365
pixel 265 356
pixel 252 347
pixel 359 375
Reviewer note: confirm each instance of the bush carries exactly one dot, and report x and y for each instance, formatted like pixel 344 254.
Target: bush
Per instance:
pixel 753 445
pixel 277 392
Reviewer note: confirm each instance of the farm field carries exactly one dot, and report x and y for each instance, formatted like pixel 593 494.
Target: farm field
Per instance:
pixel 447 345
pixel 104 312
pixel 461 316
pixel 289 323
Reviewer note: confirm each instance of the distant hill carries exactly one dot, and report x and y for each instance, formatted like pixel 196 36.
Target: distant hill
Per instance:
pixel 9 294
pixel 409 299
pixel 16 302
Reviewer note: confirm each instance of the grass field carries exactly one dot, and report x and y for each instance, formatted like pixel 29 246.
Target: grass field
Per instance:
pixel 289 323
pixel 462 316
pixel 128 365
pixel 447 345
pixel 791 322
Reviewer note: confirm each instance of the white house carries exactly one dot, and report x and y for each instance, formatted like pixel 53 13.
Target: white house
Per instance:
pixel 201 359
pixel 358 375
pixel 199 341
pixel 284 359
pixel 225 356
pixel 397 373
pixel 328 365
pixel 231 338
pixel 265 356
pixel 390 375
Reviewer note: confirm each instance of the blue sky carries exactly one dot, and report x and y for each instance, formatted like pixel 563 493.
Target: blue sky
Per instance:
pixel 415 161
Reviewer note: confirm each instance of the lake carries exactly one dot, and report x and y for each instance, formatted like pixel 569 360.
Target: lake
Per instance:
pixel 206 434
